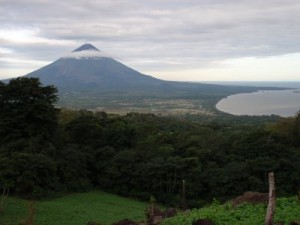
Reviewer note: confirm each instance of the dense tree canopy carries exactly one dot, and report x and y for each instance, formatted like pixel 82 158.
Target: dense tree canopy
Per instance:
pixel 28 124
pixel 44 151
pixel 26 109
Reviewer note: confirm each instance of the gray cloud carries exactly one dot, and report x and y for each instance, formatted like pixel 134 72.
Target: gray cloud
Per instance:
pixel 157 34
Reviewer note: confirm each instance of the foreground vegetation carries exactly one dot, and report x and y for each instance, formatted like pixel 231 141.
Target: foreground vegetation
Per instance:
pixel 75 209
pixel 287 210
pixel 78 209
pixel 45 150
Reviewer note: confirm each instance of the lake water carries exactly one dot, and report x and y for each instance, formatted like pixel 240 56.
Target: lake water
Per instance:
pixel 280 102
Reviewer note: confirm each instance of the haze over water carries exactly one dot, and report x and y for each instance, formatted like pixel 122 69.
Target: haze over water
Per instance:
pixel 284 103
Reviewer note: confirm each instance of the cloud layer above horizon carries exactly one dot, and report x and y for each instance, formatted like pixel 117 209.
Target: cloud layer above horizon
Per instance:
pixel 170 39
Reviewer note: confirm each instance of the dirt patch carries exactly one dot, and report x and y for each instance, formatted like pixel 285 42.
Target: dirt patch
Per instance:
pixel 250 197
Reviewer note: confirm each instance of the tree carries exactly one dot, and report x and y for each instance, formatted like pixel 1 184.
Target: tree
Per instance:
pixel 27 109
pixel 26 173
pixel 5 185
pixel 85 130
pixel 28 123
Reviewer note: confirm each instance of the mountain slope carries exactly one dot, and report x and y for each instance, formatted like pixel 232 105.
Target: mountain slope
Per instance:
pixel 87 67
pixel 89 78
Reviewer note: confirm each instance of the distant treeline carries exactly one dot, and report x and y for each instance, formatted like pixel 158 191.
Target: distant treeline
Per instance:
pixel 44 150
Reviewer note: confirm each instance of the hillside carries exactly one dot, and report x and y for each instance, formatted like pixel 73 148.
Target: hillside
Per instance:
pixel 75 209
pixel 78 209
pixel 45 150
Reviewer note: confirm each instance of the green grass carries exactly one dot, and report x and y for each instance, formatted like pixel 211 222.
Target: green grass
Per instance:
pixel 79 209
pixel 287 210
pixel 75 209
pixel 15 210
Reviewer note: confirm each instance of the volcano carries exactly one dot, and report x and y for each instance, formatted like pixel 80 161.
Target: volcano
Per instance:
pixel 88 67
pixel 89 78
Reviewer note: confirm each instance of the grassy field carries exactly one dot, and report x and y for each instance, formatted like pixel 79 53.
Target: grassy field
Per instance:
pixel 75 209
pixel 287 210
pixel 79 209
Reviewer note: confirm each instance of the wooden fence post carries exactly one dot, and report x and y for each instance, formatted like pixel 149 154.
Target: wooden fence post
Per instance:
pixel 271 203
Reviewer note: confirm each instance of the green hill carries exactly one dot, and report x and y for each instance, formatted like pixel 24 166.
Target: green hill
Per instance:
pixel 75 209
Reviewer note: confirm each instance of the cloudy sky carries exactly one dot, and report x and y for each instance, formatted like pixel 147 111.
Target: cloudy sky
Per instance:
pixel 196 40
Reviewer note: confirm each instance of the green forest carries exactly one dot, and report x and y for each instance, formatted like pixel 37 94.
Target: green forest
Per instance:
pixel 46 151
